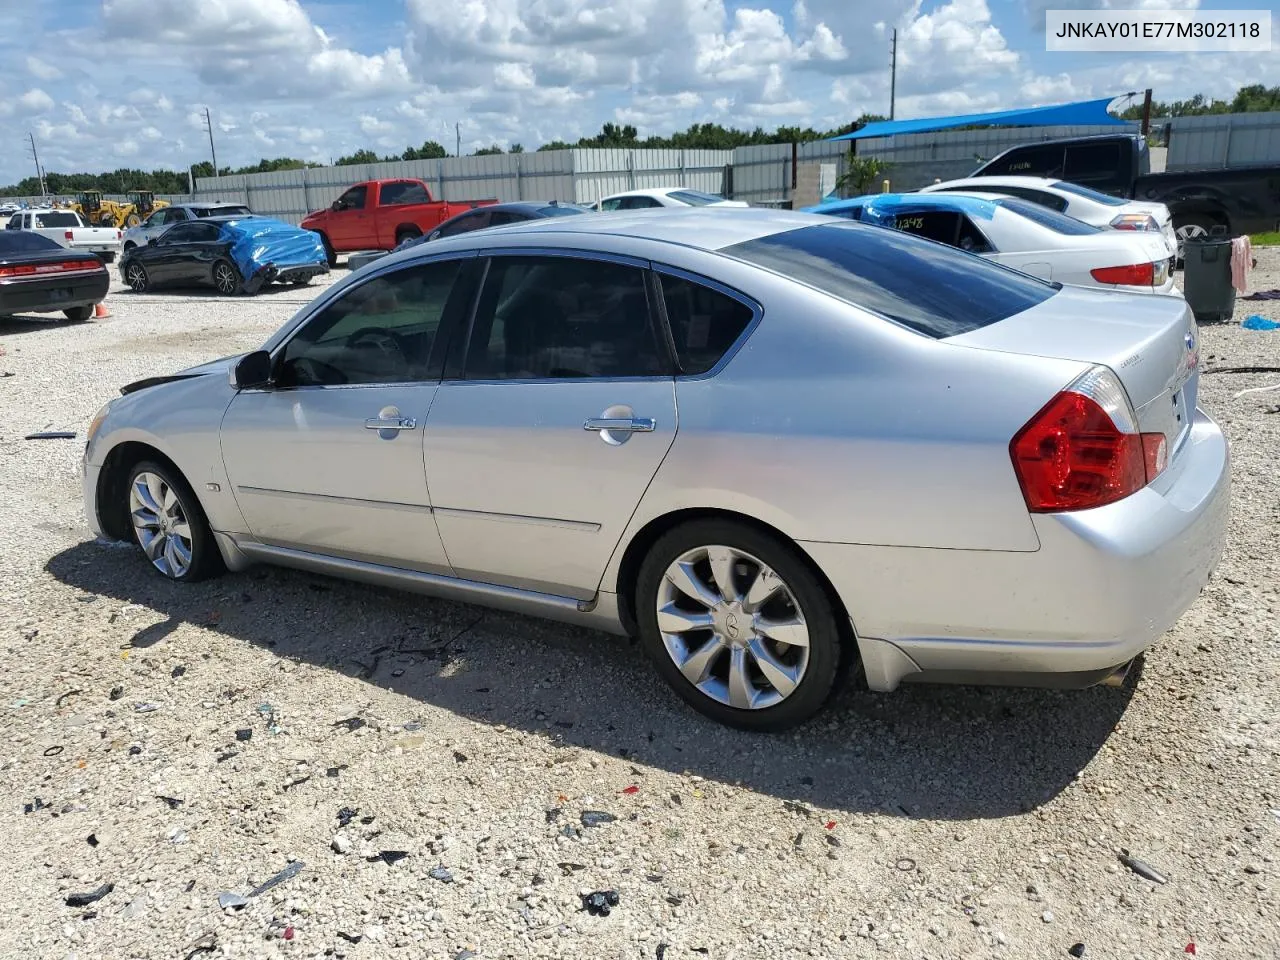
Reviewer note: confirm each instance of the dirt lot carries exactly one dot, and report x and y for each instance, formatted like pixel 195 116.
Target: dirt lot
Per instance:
pixel 931 823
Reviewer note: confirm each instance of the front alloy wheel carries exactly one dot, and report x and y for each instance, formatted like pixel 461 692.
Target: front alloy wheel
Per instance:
pixel 135 275
pixel 161 525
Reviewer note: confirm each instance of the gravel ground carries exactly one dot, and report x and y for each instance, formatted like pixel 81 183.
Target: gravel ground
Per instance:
pixel 935 822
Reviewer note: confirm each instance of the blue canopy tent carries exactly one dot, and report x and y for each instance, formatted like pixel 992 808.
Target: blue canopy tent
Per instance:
pixel 1082 113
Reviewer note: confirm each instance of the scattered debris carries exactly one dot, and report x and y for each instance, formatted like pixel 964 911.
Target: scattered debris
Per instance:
pixel 244 735
pixel 830 825
pixel 227 755
pixel 464 954
pixel 178 671
pixel 1189 948
pixel 1144 870
pixel 594 818
pixel 1077 950
pixel 69 693
pixel 905 864
pixel 631 789
pixel 205 944
pixel 36 804
pixel 93 896
pixel 662 951
pixel 173 802
pixel 553 814
pixel 350 937
pixel 599 903
pixel 413 726
pixel 288 873
pixel 233 900
pixel 1047 916
pixel 799 808
pixel 346 815
pixel 91 839
pixel 116 693
pixel 832 840
pixel 288 933
pixel 798 840
pixel 459 757
pixel 389 857
pixel 568 869
pixel 51 435
pixel 296 783
pixel 134 750
pixel 1241 370
pixel 52 751
pixel 334 771
pixel 146 707
pixel 351 723
pixel 442 874
pixel 340 843
pixel 1256 322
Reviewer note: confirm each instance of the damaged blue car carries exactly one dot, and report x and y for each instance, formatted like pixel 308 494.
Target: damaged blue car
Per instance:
pixel 234 255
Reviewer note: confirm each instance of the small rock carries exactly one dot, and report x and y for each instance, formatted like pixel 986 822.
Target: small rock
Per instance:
pixel 442 874
pixel 340 843
pixel 1047 916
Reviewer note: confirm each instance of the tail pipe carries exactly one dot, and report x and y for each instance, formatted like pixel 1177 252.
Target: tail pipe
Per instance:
pixel 1117 676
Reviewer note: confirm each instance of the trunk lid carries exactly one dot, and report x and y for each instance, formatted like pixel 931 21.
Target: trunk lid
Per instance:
pixel 1151 343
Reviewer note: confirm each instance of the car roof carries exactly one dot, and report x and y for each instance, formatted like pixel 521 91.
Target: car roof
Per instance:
pixel 1039 183
pixel 975 202
pixel 647 192
pixel 524 206
pixel 703 228
pixel 211 205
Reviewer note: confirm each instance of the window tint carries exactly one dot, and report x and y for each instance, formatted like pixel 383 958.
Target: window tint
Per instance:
pixel 191 232
pixel 498 217
pixel 1057 222
pixel 924 286
pixel 24 242
pixel 1052 201
pixel 465 222
pixel 695 198
pixel 639 203
pixel 1092 161
pixel 972 238
pixel 613 203
pixel 704 322
pixel 353 199
pixel 1094 195
pixel 381 331
pixel 402 192
pixel 553 317
pixel 559 211
pixel 56 219
pixel 222 212
pixel 939 225
pixel 1034 161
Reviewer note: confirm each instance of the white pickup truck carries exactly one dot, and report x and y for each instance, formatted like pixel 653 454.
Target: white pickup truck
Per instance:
pixel 66 228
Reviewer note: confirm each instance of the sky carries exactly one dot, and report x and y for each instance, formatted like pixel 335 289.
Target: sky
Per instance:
pixel 110 83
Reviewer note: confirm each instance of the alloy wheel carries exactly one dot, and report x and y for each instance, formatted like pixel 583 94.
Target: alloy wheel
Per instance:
pixel 1188 231
pixel 161 524
pixel 224 279
pixel 733 627
pixel 136 277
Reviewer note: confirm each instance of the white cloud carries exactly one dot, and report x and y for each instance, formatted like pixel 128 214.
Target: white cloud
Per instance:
pixel 42 70
pixel 36 100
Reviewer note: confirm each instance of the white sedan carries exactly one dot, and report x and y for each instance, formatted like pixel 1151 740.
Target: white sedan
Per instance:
pixel 664 197
pixel 1022 235
pixel 1082 203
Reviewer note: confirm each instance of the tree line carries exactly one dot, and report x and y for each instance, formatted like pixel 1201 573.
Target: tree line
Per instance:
pixel 699 136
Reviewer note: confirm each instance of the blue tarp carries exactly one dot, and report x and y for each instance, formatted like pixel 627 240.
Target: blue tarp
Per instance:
pixel 882 207
pixel 257 242
pixel 1081 113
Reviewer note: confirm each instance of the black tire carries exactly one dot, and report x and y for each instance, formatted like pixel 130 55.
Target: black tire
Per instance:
pixel 129 245
pixel 107 257
pixel 79 314
pixel 233 285
pixel 206 561
pixel 330 254
pixel 137 278
pixel 815 606
pixel 300 281
pixel 407 233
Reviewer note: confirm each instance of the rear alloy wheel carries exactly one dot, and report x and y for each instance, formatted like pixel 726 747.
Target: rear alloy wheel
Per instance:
pixel 407 234
pixel 225 279
pixel 739 624
pixel 135 275
pixel 79 314
pixel 169 525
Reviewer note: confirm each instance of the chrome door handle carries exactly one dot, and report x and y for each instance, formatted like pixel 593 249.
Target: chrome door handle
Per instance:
pixel 621 425
pixel 390 423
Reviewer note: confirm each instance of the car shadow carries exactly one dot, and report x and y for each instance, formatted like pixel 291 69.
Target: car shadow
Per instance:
pixel 943 752
pixel 199 292
pixel 20 323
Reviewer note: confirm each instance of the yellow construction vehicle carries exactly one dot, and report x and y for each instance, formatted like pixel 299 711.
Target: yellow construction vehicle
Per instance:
pixel 96 211
pixel 142 204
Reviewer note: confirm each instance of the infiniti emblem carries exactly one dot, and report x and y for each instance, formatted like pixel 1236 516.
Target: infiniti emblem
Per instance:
pixel 731 626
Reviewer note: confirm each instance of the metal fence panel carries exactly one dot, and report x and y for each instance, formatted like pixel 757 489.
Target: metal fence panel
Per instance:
pixel 1223 140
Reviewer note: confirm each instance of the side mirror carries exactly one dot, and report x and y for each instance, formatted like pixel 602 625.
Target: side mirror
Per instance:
pixel 338 205
pixel 151 240
pixel 252 370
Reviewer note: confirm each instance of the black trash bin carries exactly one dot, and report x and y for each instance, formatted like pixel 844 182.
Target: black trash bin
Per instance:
pixel 1206 277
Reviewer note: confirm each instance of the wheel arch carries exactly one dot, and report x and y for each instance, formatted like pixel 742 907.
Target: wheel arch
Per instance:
pixel 109 502
pixel 642 542
pixel 408 228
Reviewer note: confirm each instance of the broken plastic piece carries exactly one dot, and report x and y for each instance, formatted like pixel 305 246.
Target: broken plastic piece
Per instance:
pixel 232 900
pixel 288 933
pixel 799 808
pixel 116 693
pixel 134 750
pixel 464 954
pixel 389 857
pixel 178 671
pixel 905 864
pixel 830 824
pixel 631 789
pixel 351 937
pixel 594 818
pixel 91 839
pixel 93 896
pixel 1189 948
pixel 1077 950
pixel 553 814
pixel 600 902
pixel 146 708
pixel 346 815
pixel 1142 869
pixel 35 805
pixel 53 751
pixel 442 874
pixel 51 435
pixel 459 757
pixel 351 723
pixel 243 735
pixel 288 873
pixel 173 802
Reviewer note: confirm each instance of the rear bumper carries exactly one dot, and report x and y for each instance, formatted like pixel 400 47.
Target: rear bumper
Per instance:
pixel 52 294
pixel 271 272
pixel 1104 585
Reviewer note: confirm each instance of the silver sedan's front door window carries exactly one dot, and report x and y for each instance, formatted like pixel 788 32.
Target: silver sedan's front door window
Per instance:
pixel 539 455
pixel 329 459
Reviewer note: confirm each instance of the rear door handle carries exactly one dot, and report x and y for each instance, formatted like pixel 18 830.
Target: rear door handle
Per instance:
pixel 391 423
pixel 621 425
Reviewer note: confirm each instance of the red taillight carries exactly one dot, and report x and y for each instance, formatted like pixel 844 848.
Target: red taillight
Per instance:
pixel 119 234
pixel 1073 455
pixel 41 269
pixel 1134 275
pixel 68 235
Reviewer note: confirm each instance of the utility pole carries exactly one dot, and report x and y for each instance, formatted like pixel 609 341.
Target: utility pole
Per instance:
pixel 39 173
pixel 208 125
pixel 893 73
pixel 1146 112
pixel 457 129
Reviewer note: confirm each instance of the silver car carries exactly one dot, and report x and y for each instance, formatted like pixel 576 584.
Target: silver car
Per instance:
pixel 166 217
pixel 773 445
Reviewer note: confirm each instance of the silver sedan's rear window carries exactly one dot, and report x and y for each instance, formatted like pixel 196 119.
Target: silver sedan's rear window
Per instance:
pixel 929 287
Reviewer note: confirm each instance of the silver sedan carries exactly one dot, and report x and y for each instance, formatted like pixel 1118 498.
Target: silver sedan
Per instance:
pixel 774 446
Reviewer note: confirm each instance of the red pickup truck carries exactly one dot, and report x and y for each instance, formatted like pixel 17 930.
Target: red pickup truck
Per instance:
pixel 380 214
